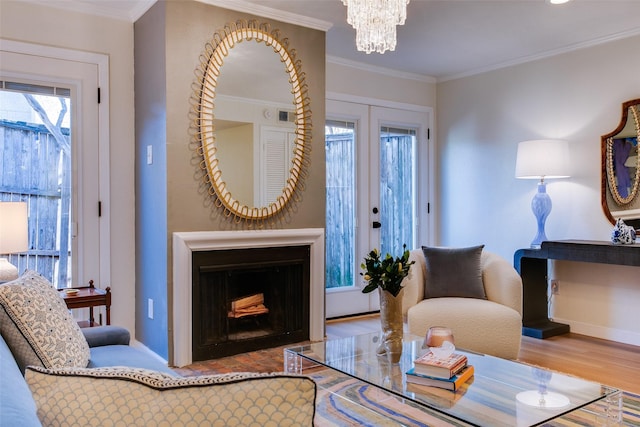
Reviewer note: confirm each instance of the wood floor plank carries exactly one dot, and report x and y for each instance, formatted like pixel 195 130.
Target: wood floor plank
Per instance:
pixel 606 362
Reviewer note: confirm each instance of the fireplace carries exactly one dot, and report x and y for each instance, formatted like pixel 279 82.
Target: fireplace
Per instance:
pixel 249 299
pixel 188 244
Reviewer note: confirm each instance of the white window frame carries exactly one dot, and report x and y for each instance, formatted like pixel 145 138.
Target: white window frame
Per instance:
pixel 427 219
pixel 102 63
pixel 349 300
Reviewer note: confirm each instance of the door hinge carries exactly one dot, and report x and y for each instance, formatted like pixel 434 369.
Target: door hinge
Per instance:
pixel 98 95
pixel 428 134
pixel 99 208
pixel 428 208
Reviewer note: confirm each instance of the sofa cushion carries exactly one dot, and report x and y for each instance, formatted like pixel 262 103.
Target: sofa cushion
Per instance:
pixel 453 272
pixel 129 396
pixel 38 327
pixel 17 407
pixel 99 336
pixel 124 355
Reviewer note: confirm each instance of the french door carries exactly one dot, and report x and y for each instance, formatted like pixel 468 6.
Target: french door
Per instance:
pixel 74 182
pixel 377 194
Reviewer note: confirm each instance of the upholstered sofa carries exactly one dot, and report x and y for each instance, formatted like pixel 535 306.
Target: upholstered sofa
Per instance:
pixel 59 374
pixel 109 347
pixel 487 319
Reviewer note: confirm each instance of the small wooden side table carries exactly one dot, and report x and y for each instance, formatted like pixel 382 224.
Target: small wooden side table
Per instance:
pixel 88 296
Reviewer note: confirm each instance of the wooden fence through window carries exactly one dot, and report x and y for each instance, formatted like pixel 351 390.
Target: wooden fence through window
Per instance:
pixel 31 163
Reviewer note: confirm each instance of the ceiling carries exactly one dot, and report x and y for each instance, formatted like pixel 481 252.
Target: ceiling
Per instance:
pixel 443 39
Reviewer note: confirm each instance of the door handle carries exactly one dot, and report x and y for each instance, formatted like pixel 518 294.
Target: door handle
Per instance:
pixel 376 224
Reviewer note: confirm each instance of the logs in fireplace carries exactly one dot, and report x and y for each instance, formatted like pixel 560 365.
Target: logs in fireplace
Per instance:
pixel 249 299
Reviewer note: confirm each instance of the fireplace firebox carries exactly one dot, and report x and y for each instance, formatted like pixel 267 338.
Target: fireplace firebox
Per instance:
pixel 249 299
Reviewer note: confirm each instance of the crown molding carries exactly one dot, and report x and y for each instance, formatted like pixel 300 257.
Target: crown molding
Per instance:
pixel 140 9
pixel 380 70
pixel 547 54
pixel 135 9
pixel 267 12
pixel 130 13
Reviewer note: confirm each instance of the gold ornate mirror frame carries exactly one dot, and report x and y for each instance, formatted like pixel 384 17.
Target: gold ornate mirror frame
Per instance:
pixel 630 111
pixel 211 61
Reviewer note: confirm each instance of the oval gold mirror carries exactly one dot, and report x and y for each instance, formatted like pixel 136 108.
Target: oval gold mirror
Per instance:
pixel 621 167
pixel 214 141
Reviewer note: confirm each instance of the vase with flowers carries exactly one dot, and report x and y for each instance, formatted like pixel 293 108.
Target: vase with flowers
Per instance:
pixel 386 275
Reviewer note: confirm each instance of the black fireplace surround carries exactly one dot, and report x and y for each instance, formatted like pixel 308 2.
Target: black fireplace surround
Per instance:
pixel 280 276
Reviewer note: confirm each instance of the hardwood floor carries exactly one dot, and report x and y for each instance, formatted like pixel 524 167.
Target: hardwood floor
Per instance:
pixel 598 360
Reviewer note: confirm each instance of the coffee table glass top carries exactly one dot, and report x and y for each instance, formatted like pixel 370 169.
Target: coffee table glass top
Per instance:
pixel 501 392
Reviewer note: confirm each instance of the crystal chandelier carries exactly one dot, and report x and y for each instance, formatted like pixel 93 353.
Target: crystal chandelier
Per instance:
pixel 375 22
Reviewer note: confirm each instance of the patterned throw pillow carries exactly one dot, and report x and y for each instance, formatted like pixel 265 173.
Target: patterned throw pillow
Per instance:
pixel 38 327
pixel 134 396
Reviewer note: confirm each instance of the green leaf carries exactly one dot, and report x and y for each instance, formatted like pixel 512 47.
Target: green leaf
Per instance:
pixel 386 273
pixel 369 288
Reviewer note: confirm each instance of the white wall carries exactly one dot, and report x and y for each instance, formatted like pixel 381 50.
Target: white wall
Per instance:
pixel 351 80
pixel 235 146
pixel 52 27
pixel 576 96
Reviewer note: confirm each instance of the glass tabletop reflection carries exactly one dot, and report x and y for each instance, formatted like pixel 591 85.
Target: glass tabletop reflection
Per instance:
pixel 500 393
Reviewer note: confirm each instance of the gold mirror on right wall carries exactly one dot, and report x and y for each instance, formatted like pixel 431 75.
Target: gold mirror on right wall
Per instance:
pixel 621 168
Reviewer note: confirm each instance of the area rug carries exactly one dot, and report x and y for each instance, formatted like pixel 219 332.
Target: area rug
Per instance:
pixel 344 401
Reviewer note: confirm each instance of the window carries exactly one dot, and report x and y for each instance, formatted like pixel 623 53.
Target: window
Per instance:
pixel 377 186
pixel 341 203
pixel 74 77
pixel 36 150
pixel 398 155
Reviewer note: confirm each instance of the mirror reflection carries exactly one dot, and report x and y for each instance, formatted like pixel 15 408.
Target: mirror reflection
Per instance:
pixel 255 144
pixel 621 167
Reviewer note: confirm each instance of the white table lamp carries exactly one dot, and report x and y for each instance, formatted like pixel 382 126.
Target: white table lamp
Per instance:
pixel 542 159
pixel 13 236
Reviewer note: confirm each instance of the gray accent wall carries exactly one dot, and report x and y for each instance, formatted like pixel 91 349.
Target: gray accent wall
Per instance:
pixel 169 39
pixel 151 179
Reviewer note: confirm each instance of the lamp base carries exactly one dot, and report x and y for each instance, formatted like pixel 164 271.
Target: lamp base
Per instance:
pixel 541 207
pixel 8 271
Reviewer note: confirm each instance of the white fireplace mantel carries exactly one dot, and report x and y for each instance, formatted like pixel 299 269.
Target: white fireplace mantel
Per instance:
pixel 184 243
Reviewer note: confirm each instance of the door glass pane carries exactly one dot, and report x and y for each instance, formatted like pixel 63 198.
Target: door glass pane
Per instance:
pixel 397 189
pixel 35 153
pixel 340 206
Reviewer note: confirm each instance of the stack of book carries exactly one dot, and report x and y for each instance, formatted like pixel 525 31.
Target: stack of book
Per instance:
pixel 449 373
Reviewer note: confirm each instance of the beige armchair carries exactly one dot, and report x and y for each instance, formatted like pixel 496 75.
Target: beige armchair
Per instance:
pixel 490 326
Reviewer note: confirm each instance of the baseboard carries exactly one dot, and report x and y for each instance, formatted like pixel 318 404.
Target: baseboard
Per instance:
pixel 137 344
pixel 602 332
pixel 368 315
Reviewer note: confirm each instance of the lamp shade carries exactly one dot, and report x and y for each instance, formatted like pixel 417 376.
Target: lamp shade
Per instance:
pixel 543 158
pixel 13 227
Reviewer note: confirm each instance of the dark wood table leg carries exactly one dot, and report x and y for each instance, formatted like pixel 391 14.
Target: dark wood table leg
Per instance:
pixel 535 308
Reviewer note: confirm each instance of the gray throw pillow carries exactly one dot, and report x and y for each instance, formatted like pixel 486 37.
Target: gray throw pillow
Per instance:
pixel 453 272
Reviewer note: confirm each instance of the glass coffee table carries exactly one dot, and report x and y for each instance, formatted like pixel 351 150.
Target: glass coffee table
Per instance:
pixel 501 392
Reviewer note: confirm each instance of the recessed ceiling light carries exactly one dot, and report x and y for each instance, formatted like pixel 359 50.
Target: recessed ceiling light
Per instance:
pixel 558 1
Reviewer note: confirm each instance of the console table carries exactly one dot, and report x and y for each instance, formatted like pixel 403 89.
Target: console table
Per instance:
pixel 531 264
